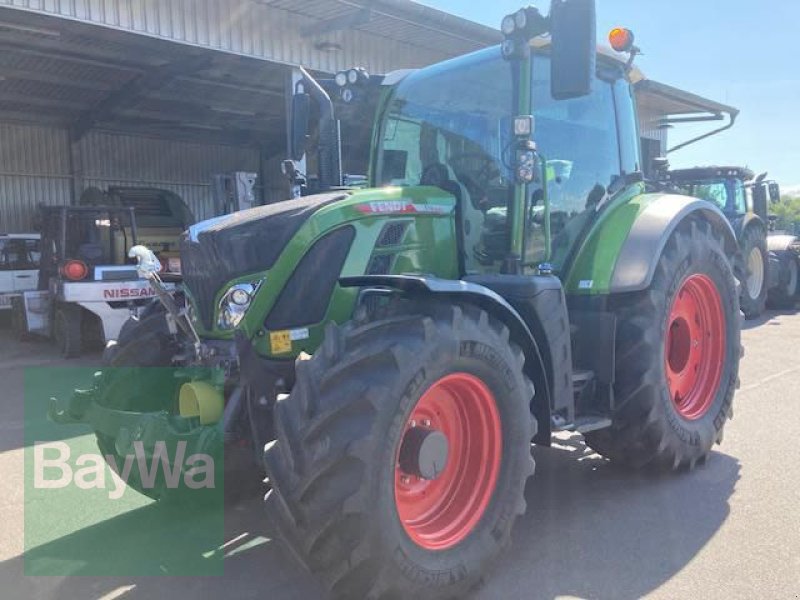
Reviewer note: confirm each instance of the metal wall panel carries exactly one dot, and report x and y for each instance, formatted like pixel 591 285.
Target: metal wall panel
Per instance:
pixel 34 169
pixel 186 168
pixel 242 27
pixel 649 128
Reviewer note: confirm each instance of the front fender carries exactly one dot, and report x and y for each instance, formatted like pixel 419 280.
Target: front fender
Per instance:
pixel 492 302
pixel 621 251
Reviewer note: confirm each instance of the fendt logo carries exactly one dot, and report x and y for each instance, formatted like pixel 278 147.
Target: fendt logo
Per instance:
pixel 126 293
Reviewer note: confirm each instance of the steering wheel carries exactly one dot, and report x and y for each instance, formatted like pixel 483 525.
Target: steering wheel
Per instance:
pixel 484 172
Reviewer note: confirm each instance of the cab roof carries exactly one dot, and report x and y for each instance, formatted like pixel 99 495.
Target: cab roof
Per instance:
pixel 712 172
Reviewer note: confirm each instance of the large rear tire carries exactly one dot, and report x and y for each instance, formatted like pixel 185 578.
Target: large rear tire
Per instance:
pixel 677 354
pixel 786 294
pixel 378 400
pixel 755 257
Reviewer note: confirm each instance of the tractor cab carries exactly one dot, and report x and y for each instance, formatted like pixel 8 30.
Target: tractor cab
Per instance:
pixel 452 127
pixel 732 189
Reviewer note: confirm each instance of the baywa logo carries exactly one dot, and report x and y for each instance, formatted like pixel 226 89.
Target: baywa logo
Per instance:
pixel 55 467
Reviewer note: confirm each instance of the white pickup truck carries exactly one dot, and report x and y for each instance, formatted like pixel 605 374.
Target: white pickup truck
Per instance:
pixel 20 254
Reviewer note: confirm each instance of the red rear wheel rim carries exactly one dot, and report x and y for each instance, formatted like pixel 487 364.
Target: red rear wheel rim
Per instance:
pixel 440 513
pixel 695 346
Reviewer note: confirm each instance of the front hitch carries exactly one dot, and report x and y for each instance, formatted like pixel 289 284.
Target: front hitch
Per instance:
pixel 72 410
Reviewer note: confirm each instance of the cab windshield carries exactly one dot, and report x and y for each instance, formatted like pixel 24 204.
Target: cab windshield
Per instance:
pixel 450 126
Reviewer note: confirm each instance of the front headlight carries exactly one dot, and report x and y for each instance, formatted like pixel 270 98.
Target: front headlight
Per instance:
pixel 235 303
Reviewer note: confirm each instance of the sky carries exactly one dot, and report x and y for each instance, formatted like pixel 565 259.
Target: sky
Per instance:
pixel 737 52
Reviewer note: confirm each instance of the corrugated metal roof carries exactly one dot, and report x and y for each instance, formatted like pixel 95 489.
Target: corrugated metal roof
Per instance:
pixel 59 70
pixel 395 33
pixel 666 100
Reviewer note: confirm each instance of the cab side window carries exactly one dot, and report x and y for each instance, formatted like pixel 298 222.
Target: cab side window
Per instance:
pixel 579 140
pixel 739 198
pixel 19 254
pixel 712 192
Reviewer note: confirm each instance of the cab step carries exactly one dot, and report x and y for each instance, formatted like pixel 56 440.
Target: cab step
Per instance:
pixel 583 424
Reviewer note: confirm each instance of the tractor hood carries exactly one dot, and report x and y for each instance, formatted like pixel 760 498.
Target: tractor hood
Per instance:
pixel 218 250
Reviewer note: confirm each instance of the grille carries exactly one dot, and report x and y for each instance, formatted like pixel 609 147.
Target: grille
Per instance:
pixel 392 234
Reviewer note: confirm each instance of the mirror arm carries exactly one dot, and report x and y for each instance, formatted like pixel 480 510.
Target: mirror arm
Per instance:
pixel 732 116
pixel 330 171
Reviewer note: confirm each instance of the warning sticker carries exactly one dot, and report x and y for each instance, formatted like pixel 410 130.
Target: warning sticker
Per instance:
pixel 299 334
pixel 280 342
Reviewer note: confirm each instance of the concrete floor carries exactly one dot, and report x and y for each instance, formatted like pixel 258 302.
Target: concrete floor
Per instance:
pixel 729 530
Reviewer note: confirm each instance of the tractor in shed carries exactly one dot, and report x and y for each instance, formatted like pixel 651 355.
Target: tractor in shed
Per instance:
pixel 389 354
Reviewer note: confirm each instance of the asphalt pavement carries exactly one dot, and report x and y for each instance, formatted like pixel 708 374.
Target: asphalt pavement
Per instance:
pixel 728 530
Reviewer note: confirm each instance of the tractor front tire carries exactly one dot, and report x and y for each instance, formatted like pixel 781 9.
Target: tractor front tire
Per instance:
pixel 142 343
pixel 402 453
pixel 677 357
pixel 755 258
pixel 68 330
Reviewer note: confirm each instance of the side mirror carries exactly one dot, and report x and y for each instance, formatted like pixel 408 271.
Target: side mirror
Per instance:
pixel 573 27
pixel 301 113
pixel 760 201
pixel 774 192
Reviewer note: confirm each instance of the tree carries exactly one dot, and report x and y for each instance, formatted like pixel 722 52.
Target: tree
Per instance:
pixel 787 211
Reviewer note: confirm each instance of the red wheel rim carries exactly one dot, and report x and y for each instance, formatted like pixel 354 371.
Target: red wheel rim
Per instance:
pixel 695 346
pixel 438 514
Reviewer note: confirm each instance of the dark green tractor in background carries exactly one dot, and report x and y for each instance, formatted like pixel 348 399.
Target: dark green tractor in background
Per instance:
pixel 507 274
pixel 769 265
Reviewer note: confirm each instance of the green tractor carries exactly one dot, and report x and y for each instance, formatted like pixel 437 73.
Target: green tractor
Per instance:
pixel 769 266
pixel 390 353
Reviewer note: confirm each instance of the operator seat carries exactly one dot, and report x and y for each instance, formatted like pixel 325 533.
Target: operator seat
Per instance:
pixel 438 175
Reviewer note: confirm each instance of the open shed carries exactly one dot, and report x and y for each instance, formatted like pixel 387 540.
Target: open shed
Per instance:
pixel 167 93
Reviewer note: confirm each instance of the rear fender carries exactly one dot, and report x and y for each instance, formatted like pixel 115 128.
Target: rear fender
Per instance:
pixel 494 304
pixel 637 260
pixel 751 220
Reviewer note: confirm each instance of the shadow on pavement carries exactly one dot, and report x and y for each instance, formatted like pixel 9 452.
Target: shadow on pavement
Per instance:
pixel 158 540
pixel 591 531
pixel 31 372
pixel 767 318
